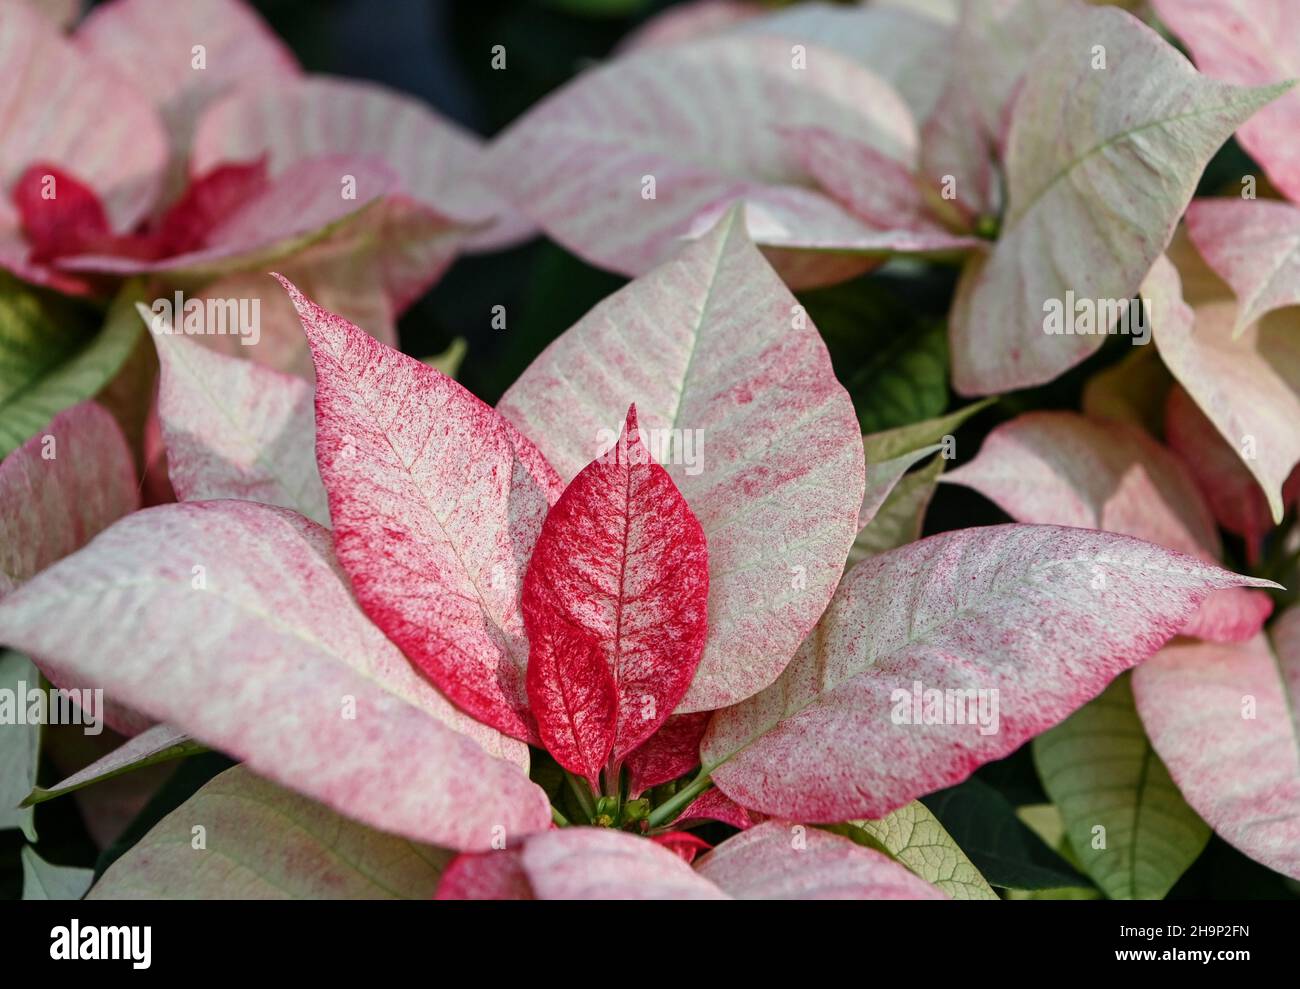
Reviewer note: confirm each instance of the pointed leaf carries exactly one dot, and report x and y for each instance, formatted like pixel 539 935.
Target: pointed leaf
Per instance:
pixel 1248 385
pixel 780 861
pixel 620 573
pixel 1254 246
pixel 1043 615
pixel 891 443
pixel 264 842
pixel 1060 468
pixel 901 516
pixel 655 114
pixel 1223 719
pixel 436 503
pixel 913 836
pixel 234 429
pixel 714 805
pixel 1100 770
pixel 1250 42
pixel 1101 163
pixel 882 476
pixel 238 613
pixel 783 451
pixel 44 881
pixel 155 745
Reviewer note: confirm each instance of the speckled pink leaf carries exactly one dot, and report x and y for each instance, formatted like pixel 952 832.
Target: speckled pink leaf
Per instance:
pixel 1060 468
pixel 1247 385
pixel 1250 42
pixel 60 489
pixel 780 861
pixel 765 445
pixel 442 196
pixel 233 621
pixel 436 502
pixel 79 115
pixel 234 429
pixel 1234 496
pixel 714 805
pixel 620 572
pixel 601 864
pixel 1254 246
pixel 1223 719
pixel 151 43
pixel 494 875
pixel 703 120
pixel 1100 164
pixel 670 752
pixel 1044 615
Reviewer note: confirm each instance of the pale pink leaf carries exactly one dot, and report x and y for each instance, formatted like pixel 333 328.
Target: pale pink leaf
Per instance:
pixel 780 861
pixel 764 440
pixel 1044 615
pixel 436 502
pixel 234 622
pixel 1223 720
pixel 152 44
pixel 703 121
pixel 601 864
pixel 77 114
pixel 61 488
pixel 1248 385
pixel 234 429
pixel 1250 42
pixel 1254 246
pixel 1061 468
pixel 1100 164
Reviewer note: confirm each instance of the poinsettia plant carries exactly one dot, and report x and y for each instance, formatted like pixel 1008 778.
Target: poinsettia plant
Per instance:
pixel 702 607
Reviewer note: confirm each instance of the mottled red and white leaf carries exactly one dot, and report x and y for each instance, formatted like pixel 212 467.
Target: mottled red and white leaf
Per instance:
pixel 1045 616
pixel 615 604
pixel 60 489
pixel 1254 246
pixel 1223 719
pixel 714 805
pixel 1247 384
pixel 704 122
pixel 234 622
pixel 1252 43
pixel 1061 468
pixel 672 751
pixel 759 437
pixel 781 861
pixel 1100 164
pixel 234 429
pixel 436 502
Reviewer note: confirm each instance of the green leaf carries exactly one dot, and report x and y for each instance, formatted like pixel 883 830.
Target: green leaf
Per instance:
pixel 891 443
pixel 999 844
pixel 20 748
pixel 914 836
pixel 900 517
pixel 161 743
pixel 45 371
pixel 1100 770
pixel 242 837
pixel 44 881
pixel 449 361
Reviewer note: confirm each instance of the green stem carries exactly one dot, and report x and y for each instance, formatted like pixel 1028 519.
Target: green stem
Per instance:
pixel 559 818
pixel 581 793
pixel 678 802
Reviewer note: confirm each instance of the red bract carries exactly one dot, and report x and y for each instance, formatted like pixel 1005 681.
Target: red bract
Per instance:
pixel 620 565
